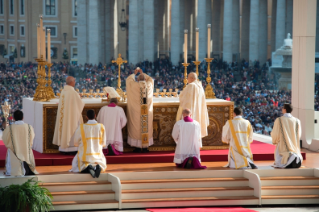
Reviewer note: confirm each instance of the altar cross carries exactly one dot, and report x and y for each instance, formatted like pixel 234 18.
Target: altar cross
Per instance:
pixel 119 61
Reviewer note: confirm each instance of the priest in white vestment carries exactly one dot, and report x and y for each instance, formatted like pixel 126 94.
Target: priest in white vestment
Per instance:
pixel 113 118
pixel 90 138
pixel 140 111
pixel 286 135
pixel 69 117
pixel 238 133
pixel 18 138
pixel 186 134
pixel 193 98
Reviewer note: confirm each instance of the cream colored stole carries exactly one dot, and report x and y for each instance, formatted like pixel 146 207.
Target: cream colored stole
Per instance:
pixel 144 113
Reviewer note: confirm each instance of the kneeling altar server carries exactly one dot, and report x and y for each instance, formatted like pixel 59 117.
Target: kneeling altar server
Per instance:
pixel 286 135
pixel 90 138
pixel 18 138
pixel 238 133
pixel 113 118
pixel 186 134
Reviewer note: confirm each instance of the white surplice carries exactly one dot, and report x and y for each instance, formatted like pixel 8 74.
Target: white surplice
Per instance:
pixel 90 139
pixel 113 119
pixel 238 133
pixel 286 135
pixel 69 116
pixel 188 140
pixel 18 138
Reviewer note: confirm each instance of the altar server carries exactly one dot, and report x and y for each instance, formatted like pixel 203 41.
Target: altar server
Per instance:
pixel 238 133
pixel 69 117
pixel 286 135
pixel 90 138
pixel 18 139
pixel 113 118
pixel 193 97
pixel 140 111
pixel 186 134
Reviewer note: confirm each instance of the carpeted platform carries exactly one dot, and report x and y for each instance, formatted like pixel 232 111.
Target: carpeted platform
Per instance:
pixel 261 151
pixel 212 209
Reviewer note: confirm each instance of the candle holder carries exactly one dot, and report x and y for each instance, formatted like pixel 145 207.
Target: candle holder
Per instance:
pixel 209 93
pixel 49 89
pixel 185 74
pixel 197 64
pixel 41 91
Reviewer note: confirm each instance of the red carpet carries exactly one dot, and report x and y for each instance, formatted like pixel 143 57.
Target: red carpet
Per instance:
pixel 261 151
pixel 232 209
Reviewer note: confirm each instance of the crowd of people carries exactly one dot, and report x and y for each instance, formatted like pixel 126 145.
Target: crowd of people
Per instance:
pixel 251 87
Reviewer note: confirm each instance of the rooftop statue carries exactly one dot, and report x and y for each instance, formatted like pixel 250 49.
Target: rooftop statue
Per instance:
pixel 287 42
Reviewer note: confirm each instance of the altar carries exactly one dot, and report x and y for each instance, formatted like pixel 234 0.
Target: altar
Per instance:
pixel 42 116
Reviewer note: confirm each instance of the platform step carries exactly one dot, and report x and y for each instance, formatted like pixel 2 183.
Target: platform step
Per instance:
pixel 75 183
pixel 83 195
pixel 288 187
pixel 85 205
pixel 185 189
pixel 81 192
pixel 182 180
pixel 290 178
pixel 84 202
pixel 291 197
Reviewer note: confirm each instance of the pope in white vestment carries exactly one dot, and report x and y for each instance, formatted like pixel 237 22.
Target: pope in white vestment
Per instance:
pixel 193 98
pixel 140 110
pixel 18 138
pixel 186 133
pixel 113 118
pixel 238 133
pixel 69 117
pixel 90 138
pixel 286 135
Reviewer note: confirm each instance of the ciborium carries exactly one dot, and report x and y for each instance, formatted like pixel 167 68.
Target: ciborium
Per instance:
pixel 6 110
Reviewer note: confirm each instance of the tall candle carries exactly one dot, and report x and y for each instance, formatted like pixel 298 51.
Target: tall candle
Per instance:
pixel 197 40
pixel 41 36
pixel 185 45
pixel 38 41
pixel 208 40
pixel 43 44
pixel 49 46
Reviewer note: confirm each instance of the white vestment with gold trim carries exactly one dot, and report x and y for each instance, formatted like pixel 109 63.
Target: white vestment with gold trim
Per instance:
pixel 90 139
pixel 238 133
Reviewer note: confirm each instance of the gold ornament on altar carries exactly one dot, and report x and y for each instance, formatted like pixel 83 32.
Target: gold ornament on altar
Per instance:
pixel 119 61
pixel 6 110
pixel 209 93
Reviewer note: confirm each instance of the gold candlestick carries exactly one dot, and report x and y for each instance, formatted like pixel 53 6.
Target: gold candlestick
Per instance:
pixel 6 110
pixel 197 64
pixel 119 61
pixel 185 74
pixel 40 92
pixel 49 89
pixel 209 93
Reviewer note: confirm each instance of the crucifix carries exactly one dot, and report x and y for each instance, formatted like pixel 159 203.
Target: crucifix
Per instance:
pixel 119 61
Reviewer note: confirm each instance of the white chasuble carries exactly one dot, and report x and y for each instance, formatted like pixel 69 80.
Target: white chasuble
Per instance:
pixel 238 133
pixel 140 111
pixel 113 118
pixel 68 118
pixel 90 138
pixel 188 140
pixel 286 135
pixel 18 138
pixel 193 98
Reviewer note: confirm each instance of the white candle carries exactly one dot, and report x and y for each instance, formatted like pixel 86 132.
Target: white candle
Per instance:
pixel 185 45
pixel 197 40
pixel 38 41
pixel 49 46
pixel 43 44
pixel 208 40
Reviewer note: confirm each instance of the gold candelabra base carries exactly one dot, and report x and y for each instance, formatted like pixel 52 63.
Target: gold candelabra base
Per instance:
pixel 209 93
pixel 197 64
pixel 185 74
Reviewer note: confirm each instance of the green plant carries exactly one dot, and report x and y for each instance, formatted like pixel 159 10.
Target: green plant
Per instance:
pixel 16 198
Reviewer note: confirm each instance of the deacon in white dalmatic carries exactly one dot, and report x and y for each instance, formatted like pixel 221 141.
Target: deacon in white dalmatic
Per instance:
pixel 286 135
pixel 238 133
pixel 140 111
pixel 18 139
pixel 113 118
pixel 90 138
pixel 193 98
pixel 69 117
pixel 186 134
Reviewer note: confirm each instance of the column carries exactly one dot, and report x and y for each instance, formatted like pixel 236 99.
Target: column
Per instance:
pixel 303 66
pixel 263 32
pixel 201 24
pixel 115 43
pixel 317 28
pixel 254 30
pixel 216 27
pixel 108 28
pixel 273 25
pixel 93 32
pixel 82 32
pixel 236 31
pixel 133 32
pixel 175 30
pixel 280 23
pixel 228 28
pixel 289 13
pixel 140 29
pixel 182 27
pixel 245 30
pixel 149 50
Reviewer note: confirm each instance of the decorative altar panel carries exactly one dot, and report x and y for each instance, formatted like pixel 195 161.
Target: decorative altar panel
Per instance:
pixel 42 116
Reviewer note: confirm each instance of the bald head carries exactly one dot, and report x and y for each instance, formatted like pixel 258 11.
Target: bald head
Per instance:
pixel 186 112
pixel 70 81
pixel 141 77
pixel 191 77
